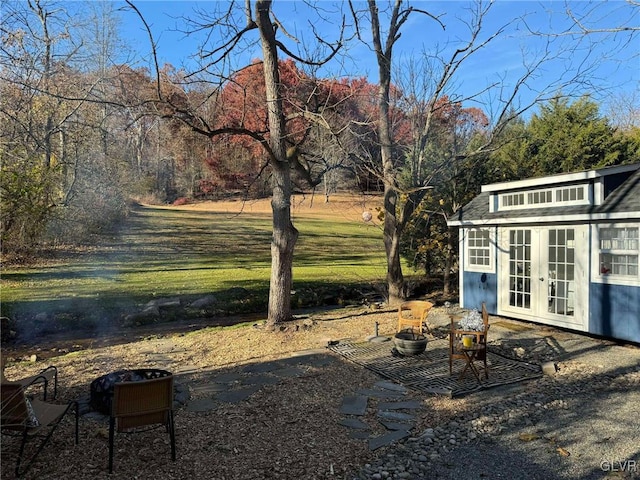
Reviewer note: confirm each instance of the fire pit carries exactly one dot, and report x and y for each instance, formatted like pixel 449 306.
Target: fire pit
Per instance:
pixel 102 387
pixel 409 343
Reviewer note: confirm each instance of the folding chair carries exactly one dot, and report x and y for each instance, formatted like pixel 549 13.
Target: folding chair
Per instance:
pixel 30 419
pixel 49 374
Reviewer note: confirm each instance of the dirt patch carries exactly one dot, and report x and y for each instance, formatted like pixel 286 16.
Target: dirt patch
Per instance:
pixel 347 207
pixel 53 345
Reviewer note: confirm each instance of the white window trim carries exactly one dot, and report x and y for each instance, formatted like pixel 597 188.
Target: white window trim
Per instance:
pixel 491 268
pixel 596 275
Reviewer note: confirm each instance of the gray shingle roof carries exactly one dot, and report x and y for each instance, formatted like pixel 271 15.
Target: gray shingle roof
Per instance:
pixel 624 199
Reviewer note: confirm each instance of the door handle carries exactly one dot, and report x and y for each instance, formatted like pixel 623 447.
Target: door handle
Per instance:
pixel 542 279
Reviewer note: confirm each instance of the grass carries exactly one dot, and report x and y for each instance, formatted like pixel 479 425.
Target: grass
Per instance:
pixel 162 252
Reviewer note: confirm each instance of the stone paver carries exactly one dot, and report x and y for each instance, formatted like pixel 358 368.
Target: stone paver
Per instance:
pixel 354 405
pixel 359 434
pixel 387 439
pixel 262 367
pixel 396 416
pixel 290 372
pixel 226 378
pixel 354 423
pixel 395 387
pixel 380 394
pixel 184 369
pixel 236 396
pixel 396 425
pixel 406 405
pixel 201 405
pixel 209 388
pixel 261 380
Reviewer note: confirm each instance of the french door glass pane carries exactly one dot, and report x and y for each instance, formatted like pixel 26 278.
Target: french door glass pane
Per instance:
pixel 561 285
pixel 520 268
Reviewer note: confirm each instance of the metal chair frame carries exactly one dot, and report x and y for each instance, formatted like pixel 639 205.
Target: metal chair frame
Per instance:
pixel 44 376
pixel 15 420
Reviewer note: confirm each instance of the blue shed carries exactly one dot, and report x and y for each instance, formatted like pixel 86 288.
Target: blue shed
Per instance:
pixel 560 250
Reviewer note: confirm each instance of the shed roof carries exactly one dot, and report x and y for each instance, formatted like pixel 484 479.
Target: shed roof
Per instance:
pixel 621 203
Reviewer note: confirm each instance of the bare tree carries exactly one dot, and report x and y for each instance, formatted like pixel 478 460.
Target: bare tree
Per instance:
pixel 624 111
pixel 282 157
pixel 591 20
pixel 383 50
pixel 502 101
pixel 35 53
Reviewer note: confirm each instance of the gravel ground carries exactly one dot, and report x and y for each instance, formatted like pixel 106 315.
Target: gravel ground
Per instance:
pixel 569 427
pixel 582 422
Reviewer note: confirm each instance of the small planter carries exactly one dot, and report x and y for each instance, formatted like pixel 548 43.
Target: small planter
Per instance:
pixel 409 343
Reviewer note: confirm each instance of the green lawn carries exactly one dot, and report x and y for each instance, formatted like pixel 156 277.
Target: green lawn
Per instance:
pixel 164 252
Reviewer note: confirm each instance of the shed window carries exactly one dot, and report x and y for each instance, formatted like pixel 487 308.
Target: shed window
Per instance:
pixel 479 249
pixel 513 200
pixel 571 194
pixel 547 198
pixel 619 251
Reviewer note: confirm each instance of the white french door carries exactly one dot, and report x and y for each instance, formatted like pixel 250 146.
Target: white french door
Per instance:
pixel 542 274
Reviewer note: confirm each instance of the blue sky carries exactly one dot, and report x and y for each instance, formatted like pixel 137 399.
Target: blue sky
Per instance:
pixel 613 62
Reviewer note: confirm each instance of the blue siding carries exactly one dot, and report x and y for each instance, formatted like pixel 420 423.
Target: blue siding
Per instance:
pixel 478 288
pixel 614 311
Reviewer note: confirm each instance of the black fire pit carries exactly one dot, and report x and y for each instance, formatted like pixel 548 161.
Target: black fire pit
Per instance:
pixel 102 387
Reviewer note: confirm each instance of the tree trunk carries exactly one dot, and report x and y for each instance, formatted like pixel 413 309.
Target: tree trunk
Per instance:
pixel 395 279
pixel 392 230
pixel 448 264
pixel 284 235
pixel 283 241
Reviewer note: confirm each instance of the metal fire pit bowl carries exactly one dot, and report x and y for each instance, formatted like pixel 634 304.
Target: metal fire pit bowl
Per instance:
pixel 102 387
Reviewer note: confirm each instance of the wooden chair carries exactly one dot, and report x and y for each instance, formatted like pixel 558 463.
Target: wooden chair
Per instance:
pixel 480 340
pixel 46 376
pixel 414 314
pixel 147 403
pixel 30 419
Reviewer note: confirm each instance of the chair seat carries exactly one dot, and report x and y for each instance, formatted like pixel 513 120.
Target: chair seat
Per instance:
pixel 46 413
pixel 17 415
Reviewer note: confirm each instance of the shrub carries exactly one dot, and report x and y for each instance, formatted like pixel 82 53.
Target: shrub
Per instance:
pixel 181 201
pixel 96 204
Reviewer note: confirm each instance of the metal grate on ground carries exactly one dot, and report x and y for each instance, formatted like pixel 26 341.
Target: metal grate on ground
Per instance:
pixel 429 371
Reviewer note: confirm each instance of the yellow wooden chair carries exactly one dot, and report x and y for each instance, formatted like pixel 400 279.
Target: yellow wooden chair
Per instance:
pixel 414 314
pixel 479 341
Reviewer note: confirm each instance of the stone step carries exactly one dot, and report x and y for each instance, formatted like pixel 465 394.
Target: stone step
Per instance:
pixel 354 405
